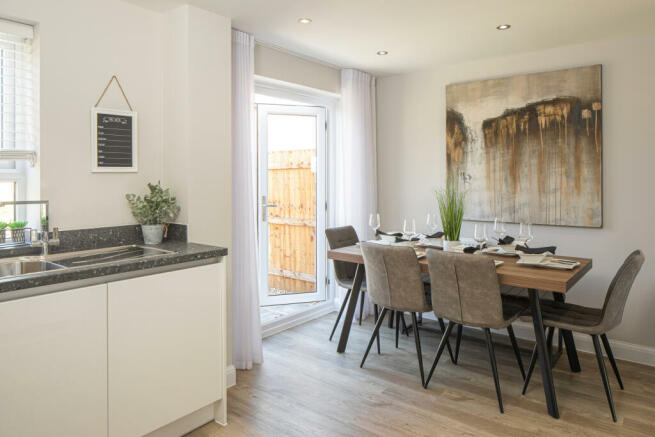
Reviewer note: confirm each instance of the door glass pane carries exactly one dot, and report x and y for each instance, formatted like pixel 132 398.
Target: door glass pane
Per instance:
pixel 292 187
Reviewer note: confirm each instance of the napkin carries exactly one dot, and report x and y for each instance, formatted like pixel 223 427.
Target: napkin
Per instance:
pixel 536 250
pixel 391 234
pixel 471 249
pixel 437 234
pixel 506 240
pixel 400 240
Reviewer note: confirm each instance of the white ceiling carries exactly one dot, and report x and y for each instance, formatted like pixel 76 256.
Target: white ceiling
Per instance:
pixel 425 33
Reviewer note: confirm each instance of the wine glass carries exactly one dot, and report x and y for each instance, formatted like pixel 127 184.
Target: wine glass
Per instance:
pixel 499 228
pixel 480 234
pixel 374 222
pixel 409 228
pixel 432 223
pixel 525 233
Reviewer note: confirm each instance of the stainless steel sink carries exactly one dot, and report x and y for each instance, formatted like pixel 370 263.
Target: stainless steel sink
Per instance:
pixel 25 267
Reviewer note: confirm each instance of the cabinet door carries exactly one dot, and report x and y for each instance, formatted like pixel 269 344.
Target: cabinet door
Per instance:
pixel 53 364
pixel 165 348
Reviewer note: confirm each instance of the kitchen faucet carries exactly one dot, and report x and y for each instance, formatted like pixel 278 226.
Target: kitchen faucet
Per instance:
pixel 39 238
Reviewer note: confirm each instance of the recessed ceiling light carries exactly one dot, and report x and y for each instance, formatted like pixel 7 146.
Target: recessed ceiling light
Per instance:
pixel 304 20
pixel 503 27
pixel 383 52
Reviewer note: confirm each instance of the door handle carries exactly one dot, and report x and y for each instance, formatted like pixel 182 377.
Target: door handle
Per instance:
pixel 265 205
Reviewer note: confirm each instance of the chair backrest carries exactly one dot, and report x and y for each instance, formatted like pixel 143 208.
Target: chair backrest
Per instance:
pixel 465 289
pixel 393 277
pixel 617 293
pixel 338 238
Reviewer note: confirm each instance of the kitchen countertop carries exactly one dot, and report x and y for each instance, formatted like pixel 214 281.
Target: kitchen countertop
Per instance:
pixel 182 252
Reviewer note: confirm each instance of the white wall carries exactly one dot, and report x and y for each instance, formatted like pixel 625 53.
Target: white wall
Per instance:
pixel 280 65
pixel 197 162
pixel 411 161
pixel 82 43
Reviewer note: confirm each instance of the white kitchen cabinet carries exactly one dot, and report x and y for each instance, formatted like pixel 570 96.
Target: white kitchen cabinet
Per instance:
pixel 166 347
pixel 53 364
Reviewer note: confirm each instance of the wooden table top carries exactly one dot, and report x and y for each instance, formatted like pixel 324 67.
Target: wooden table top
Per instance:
pixel 510 273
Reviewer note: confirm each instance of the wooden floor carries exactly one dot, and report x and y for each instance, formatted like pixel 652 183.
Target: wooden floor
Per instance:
pixel 304 388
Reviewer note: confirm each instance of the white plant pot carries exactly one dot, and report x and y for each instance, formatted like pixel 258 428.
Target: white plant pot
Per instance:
pixel 449 245
pixel 152 234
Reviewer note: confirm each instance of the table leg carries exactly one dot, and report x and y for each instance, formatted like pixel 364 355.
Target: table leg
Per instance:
pixel 352 306
pixel 542 352
pixel 571 352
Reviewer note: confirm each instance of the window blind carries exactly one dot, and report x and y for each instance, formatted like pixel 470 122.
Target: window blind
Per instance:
pixel 17 91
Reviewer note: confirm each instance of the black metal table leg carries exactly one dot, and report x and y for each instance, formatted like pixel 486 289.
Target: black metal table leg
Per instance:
pixel 352 306
pixel 571 351
pixel 543 355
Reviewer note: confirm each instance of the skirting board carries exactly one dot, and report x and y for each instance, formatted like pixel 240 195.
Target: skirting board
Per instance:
pixel 230 376
pixel 622 349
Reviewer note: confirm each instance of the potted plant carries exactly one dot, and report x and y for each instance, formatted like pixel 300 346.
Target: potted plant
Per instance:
pixel 154 211
pixel 18 231
pixel 3 232
pixel 451 210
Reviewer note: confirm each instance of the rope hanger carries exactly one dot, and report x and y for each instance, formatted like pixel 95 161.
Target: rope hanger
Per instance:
pixel 119 86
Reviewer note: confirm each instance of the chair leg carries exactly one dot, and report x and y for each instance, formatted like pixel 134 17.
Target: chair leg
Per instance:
pixel 361 308
pixel 419 354
pixel 603 374
pixel 533 360
pixel 442 345
pixel 405 329
pixel 375 333
pixel 442 325
pixel 377 337
pixel 458 342
pixel 392 315
pixel 610 355
pixel 397 327
pixel 517 352
pixel 494 368
pixel 343 306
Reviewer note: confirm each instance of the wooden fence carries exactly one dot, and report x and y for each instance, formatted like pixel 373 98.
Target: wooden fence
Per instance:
pixel 292 225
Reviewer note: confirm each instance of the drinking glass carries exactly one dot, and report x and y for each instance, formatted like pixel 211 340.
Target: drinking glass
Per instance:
pixel 432 223
pixel 499 228
pixel 525 233
pixel 409 228
pixel 374 222
pixel 480 234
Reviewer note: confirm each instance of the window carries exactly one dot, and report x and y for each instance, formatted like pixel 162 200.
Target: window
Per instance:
pixel 18 103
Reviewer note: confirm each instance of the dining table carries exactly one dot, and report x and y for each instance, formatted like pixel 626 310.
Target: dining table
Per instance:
pixel 536 280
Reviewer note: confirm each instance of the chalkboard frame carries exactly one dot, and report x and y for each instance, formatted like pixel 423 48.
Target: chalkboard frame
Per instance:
pixel 94 141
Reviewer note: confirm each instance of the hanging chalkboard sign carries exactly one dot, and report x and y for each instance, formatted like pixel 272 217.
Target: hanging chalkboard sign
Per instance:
pixel 114 140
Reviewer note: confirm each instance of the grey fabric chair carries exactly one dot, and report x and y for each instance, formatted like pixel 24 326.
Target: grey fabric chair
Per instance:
pixel 595 322
pixel 465 290
pixel 393 277
pixel 344 272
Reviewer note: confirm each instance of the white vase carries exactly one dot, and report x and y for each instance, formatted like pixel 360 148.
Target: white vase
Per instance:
pixel 449 245
pixel 152 234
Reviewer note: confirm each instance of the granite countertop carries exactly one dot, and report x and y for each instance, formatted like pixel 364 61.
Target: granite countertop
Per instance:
pixel 181 252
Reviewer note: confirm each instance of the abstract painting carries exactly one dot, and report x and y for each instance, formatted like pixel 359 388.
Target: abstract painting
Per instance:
pixel 529 147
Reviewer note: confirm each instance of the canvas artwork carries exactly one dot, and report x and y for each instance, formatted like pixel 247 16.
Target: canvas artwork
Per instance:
pixel 529 147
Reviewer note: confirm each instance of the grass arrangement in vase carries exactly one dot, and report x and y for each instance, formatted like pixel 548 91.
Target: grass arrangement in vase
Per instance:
pixel 154 211
pixel 451 210
pixel 3 231
pixel 18 231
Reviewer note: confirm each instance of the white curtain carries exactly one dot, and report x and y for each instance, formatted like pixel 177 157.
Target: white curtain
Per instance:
pixel 246 326
pixel 356 166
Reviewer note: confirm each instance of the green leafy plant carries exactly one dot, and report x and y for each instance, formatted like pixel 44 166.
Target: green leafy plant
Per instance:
pixel 451 210
pixel 157 207
pixel 3 226
pixel 17 225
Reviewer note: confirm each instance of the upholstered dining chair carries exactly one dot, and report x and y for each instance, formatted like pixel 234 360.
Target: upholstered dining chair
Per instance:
pixel 393 278
pixel 465 290
pixel 344 272
pixel 594 321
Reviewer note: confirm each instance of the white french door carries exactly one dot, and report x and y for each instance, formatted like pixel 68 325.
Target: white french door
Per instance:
pixel 291 150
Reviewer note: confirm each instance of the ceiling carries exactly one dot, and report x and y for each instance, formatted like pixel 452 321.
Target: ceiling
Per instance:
pixel 421 34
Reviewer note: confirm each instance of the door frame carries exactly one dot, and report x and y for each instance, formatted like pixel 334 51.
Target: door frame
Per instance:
pixel 320 112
